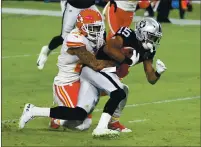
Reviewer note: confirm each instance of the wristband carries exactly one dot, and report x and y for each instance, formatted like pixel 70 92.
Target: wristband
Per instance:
pixel 127 61
pixel 157 74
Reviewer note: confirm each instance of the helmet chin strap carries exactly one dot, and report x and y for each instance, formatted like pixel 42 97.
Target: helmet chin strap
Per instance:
pixel 148 46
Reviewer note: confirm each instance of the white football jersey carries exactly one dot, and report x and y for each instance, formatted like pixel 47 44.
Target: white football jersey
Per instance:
pixel 127 5
pixel 69 68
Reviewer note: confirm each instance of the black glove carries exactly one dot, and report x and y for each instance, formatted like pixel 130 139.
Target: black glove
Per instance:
pixel 112 2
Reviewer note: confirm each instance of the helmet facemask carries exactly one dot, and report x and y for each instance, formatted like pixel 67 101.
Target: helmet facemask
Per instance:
pixel 95 33
pixel 151 41
pixel 148 32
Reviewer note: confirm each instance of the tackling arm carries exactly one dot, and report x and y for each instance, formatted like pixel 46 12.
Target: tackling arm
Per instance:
pixel 89 59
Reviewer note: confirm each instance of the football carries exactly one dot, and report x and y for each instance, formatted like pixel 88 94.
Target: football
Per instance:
pixel 122 70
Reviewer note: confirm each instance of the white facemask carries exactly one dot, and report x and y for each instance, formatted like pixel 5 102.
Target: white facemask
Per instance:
pixel 97 44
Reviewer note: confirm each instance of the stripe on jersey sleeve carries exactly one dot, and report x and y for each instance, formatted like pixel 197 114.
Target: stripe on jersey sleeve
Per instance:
pixel 74 44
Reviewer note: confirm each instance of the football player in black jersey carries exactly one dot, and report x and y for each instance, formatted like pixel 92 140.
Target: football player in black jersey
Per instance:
pixel 144 40
pixel 72 9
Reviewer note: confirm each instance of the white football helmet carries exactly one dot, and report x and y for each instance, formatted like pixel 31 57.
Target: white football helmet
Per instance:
pixel 149 32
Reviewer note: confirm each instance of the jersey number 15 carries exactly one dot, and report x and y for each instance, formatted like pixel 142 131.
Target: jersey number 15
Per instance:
pixel 125 31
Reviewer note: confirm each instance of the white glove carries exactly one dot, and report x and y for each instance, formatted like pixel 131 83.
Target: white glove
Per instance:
pixel 160 66
pixel 42 58
pixel 135 57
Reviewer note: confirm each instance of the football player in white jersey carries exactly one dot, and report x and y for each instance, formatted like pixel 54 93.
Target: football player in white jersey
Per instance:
pixel 66 83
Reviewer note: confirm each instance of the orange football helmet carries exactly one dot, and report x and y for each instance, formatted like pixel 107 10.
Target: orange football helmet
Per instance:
pixel 91 25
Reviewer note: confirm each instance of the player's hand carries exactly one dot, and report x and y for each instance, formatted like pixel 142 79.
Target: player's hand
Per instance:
pixel 135 57
pixel 42 58
pixel 41 61
pixel 112 2
pixel 160 66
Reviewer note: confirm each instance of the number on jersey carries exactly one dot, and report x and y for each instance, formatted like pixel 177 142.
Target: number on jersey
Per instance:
pixel 125 31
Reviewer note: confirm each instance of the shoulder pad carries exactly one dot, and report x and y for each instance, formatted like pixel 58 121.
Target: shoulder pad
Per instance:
pixel 75 39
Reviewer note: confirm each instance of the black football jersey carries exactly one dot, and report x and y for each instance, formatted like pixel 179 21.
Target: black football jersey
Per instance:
pixel 81 4
pixel 129 40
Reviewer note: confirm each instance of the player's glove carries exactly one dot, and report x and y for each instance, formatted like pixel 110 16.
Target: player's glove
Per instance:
pixel 112 2
pixel 160 66
pixel 135 58
pixel 42 58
